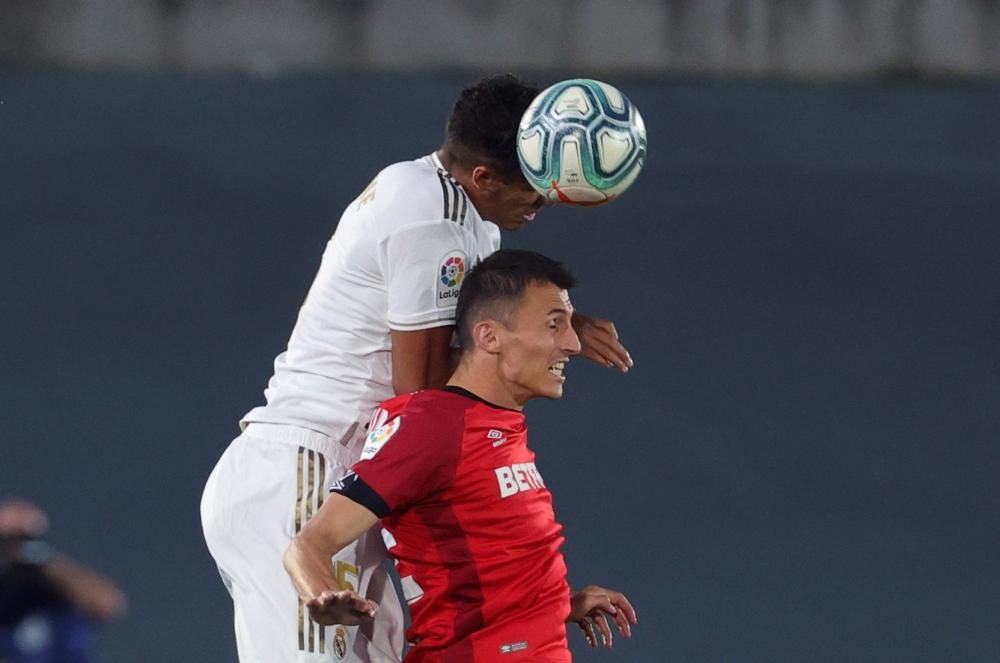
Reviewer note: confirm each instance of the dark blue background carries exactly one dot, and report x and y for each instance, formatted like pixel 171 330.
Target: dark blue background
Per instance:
pixel 801 467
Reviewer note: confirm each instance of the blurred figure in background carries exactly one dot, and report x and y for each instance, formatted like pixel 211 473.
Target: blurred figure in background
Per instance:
pixel 49 604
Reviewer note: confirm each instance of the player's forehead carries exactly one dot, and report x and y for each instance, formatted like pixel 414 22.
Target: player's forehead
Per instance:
pixel 543 299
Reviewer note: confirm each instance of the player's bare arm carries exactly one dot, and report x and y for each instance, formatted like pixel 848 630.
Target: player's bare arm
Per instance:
pixel 421 359
pixel 599 339
pixel 339 522
pixel 591 606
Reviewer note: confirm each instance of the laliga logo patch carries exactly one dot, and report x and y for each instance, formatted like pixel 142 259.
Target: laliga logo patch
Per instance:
pixel 378 437
pixel 453 271
pixel 450 277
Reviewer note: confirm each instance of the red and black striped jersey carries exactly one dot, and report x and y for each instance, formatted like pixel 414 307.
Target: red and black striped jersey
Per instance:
pixel 470 523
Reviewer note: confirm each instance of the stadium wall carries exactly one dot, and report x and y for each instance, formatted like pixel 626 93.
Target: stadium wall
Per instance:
pixel 772 38
pixel 802 465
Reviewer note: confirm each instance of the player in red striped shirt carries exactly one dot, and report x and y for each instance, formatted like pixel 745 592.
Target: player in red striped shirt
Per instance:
pixel 465 511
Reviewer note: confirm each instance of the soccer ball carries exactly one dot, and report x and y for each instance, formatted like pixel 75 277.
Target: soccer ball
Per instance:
pixel 581 142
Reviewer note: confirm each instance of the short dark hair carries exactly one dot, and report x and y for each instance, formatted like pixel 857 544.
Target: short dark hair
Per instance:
pixel 492 288
pixel 482 127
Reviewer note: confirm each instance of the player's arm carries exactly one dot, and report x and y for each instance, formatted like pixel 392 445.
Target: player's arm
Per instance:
pixel 599 342
pixel 590 607
pixel 424 263
pixel 408 463
pixel 421 359
pixel 339 522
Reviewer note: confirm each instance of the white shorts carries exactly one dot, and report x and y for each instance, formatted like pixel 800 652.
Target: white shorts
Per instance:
pixel 267 484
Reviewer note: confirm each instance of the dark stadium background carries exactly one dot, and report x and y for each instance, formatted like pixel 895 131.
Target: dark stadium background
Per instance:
pixel 801 467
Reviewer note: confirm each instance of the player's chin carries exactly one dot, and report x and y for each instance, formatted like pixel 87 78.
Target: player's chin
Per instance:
pixel 552 391
pixel 520 221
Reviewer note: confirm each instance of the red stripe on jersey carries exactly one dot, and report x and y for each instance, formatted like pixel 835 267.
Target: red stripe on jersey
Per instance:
pixel 463 579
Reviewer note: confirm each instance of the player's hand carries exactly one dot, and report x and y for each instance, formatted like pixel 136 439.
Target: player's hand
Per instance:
pixel 342 607
pixel 591 606
pixel 599 342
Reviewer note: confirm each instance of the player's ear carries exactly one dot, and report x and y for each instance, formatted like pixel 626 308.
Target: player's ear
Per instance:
pixel 484 335
pixel 485 179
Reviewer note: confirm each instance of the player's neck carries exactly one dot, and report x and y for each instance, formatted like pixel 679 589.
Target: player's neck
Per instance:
pixel 461 174
pixel 451 164
pixel 483 383
pixel 464 177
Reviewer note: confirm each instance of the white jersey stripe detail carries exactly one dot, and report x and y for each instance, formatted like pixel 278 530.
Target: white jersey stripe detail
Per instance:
pixel 411 590
pixel 436 322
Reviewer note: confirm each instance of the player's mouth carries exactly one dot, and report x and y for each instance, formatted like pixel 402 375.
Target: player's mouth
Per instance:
pixel 558 369
pixel 530 216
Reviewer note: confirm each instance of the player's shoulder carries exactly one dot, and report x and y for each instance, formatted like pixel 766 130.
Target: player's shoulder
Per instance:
pixel 438 404
pixel 419 418
pixel 445 400
pixel 403 173
pixel 419 190
pixel 430 408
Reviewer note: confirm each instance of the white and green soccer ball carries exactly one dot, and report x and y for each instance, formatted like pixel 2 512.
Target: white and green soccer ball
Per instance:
pixel 581 142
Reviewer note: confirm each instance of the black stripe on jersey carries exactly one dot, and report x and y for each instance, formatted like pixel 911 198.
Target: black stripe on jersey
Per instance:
pixel 444 193
pixel 465 206
pixel 457 215
pixel 451 201
pixel 454 202
pixel 356 490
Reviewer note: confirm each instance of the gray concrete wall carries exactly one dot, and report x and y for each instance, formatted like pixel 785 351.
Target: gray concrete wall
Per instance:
pixel 801 468
pixel 797 38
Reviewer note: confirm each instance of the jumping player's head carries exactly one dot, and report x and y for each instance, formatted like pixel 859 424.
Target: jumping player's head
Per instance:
pixel 513 322
pixel 480 149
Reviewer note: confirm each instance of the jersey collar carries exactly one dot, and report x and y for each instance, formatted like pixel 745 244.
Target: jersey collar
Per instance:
pixel 468 394
pixel 437 162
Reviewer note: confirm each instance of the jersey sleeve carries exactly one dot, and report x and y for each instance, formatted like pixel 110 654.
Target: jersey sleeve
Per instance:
pixel 424 266
pixel 407 459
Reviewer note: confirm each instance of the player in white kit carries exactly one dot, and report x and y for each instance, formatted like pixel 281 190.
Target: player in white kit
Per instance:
pixel 376 322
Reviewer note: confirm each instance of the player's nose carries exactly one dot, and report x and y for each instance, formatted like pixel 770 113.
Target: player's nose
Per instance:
pixel 571 341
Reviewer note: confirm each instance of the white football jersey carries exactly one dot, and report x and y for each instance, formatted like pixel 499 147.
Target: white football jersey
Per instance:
pixel 395 261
